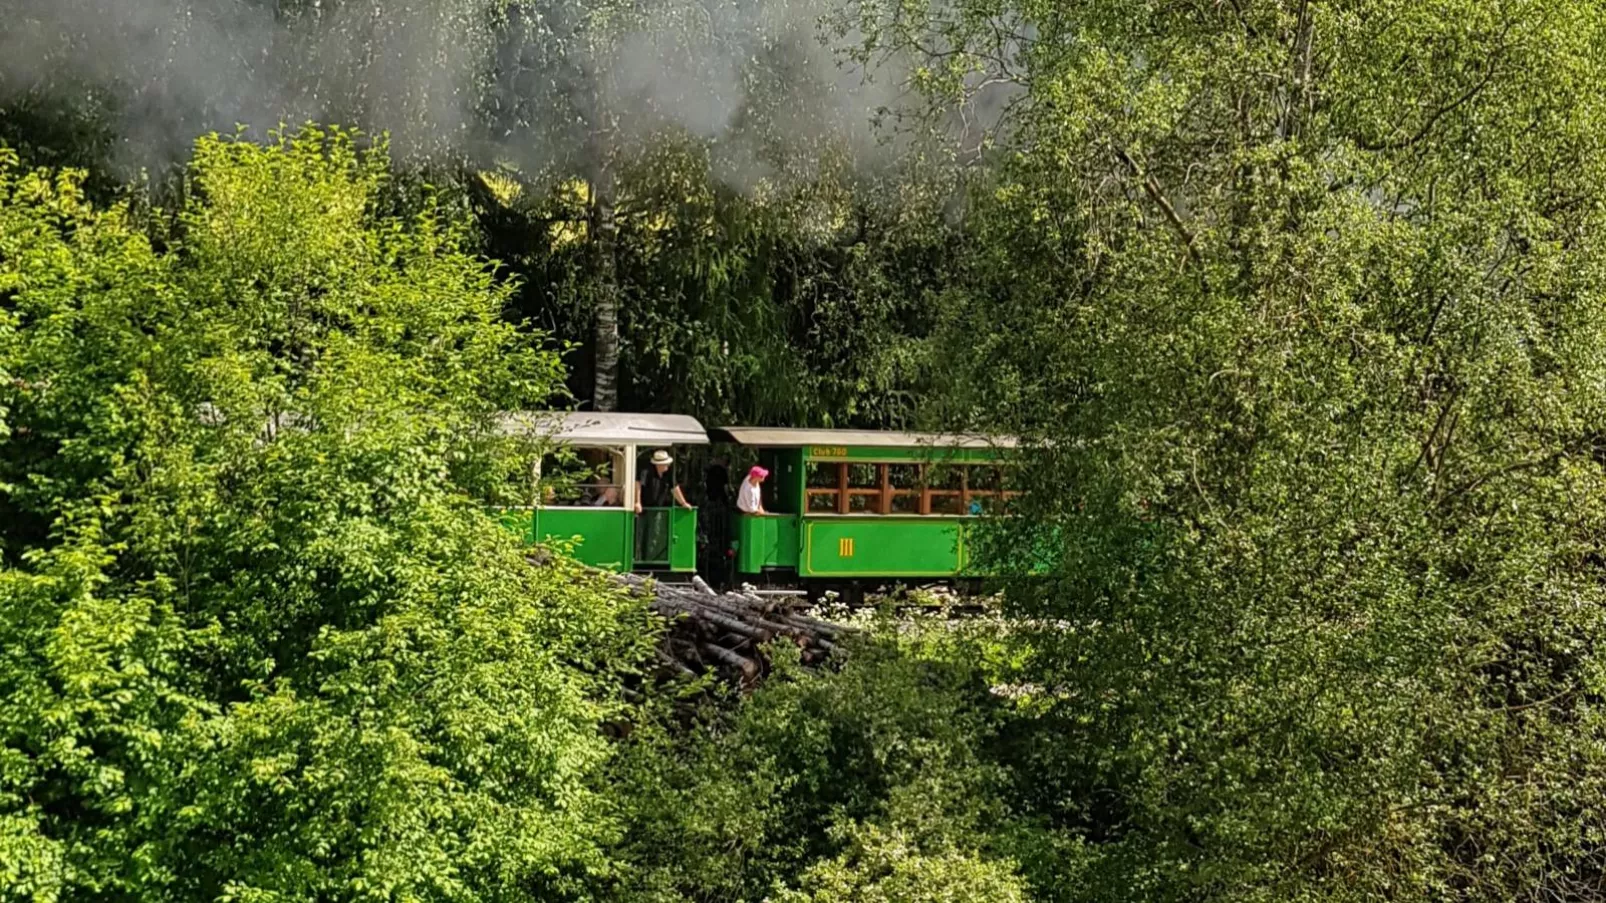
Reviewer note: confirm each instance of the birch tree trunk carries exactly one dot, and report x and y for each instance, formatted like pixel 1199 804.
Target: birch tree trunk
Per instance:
pixel 604 274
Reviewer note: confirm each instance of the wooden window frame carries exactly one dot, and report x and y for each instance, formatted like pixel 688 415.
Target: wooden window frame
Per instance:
pixel 843 493
pixel 1000 494
pixel 928 495
pixel 838 493
pixel 891 494
pixel 851 492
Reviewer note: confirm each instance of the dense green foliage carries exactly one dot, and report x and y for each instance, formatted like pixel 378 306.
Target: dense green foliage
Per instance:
pixel 259 643
pixel 1315 320
pixel 1302 305
pixel 875 784
pixel 744 310
pixel 1321 371
pixel 700 171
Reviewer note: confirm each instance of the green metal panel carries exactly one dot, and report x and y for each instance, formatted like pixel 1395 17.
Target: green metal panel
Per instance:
pixel 676 547
pixel 901 455
pixel 605 534
pixel 1038 558
pixel 768 541
pixel 651 538
pixel 882 546
pixel 683 539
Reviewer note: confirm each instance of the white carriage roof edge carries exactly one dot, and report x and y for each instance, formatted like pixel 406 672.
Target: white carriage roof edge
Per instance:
pixel 790 437
pixel 614 427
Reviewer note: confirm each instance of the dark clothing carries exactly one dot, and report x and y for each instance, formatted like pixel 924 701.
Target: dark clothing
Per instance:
pixel 652 527
pixel 717 565
pixel 652 537
pixel 717 486
pixel 658 490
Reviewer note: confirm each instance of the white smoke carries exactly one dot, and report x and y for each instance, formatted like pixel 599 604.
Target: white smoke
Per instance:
pixel 472 79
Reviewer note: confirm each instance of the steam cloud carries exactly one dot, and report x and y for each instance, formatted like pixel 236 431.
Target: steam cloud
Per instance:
pixel 483 80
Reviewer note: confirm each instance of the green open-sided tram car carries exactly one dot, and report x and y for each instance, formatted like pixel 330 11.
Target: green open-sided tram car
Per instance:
pixel 843 505
pixel 600 516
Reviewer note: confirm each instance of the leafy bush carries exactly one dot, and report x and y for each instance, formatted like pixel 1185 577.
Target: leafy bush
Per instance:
pixel 258 641
pixel 840 785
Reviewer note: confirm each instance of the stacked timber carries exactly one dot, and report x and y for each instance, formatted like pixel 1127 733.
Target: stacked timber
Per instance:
pixel 728 633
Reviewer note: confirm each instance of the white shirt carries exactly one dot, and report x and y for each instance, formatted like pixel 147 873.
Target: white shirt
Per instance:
pixel 747 498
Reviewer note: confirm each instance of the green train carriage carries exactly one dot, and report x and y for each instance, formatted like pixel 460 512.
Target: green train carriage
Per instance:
pixel 845 507
pixel 599 513
pixel 863 505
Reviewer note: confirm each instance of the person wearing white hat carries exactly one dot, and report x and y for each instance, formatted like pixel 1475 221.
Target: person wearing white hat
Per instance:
pixel 658 485
pixel 654 490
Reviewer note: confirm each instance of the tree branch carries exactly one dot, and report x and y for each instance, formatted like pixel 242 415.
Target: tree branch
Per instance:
pixel 1506 471
pixel 1152 189
pixel 1464 98
pixel 1243 20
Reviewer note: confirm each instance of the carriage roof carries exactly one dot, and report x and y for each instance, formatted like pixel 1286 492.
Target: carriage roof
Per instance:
pixel 607 428
pixel 784 437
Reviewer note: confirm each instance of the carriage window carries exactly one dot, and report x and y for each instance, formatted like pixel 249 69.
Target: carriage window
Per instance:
pixel 903 488
pixel 905 503
pixel 822 475
pixel 991 504
pixel 577 477
pixel 988 490
pixel 985 479
pixel 945 489
pixel 604 485
pixel 837 487
pixel 823 486
pixel 865 488
pixel 559 477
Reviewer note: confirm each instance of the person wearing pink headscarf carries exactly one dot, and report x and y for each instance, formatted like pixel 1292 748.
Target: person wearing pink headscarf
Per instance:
pixel 748 499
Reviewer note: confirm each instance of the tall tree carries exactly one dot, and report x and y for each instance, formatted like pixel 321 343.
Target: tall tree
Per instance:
pixel 260 641
pixel 1307 298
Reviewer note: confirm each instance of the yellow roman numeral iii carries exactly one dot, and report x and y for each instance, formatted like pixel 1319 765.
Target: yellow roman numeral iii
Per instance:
pixel 844 547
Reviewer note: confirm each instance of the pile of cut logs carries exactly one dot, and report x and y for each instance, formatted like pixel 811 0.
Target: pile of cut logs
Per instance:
pixel 727 632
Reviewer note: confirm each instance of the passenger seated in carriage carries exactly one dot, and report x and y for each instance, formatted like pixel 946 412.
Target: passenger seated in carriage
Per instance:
pixel 603 490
